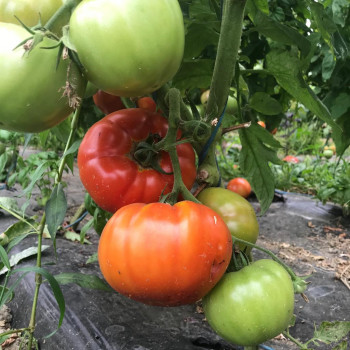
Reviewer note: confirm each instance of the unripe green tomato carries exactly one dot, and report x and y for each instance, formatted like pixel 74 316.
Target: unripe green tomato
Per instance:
pixel 252 305
pixel 235 210
pixel 31 87
pixel 29 12
pixel 328 153
pixel 128 48
pixel 231 106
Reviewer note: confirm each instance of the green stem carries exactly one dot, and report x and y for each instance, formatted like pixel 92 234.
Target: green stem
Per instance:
pixel 67 7
pixel 14 331
pixel 179 187
pixel 296 341
pixel 38 277
pixel 224 69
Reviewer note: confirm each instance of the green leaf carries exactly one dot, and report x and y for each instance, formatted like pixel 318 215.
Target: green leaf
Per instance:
pixel 82 280
pixel 85 228
pixel 74 237
pixel 328 65
pixel 286 69
pixel 16 258
pixel 54 286
pixel 10 204
pixel 4 258
pixel 342 346
pixel 55 210
pixel 277 31
pixel 340 9
pixel 194 74
pixel 18 229
pixel 330 332
pixel 3 161
pixel 92 258
pixel 265 104
pixel 74 148
pixel 340 105
pixel 38 173
pixel 198 37
pixel 254 162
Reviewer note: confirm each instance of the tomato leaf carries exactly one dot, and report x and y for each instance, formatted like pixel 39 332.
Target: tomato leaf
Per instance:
pixel 265 104
pixel 82 280
pixel 55 210
pixel 330 332
pixel 286 68
pixel 341 346
pixel 254 159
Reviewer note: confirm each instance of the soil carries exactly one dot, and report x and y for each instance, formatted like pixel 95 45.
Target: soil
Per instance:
pixel 312 238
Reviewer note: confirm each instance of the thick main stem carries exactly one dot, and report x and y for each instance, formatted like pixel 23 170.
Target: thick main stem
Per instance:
pixel 224 69
pixel 38 278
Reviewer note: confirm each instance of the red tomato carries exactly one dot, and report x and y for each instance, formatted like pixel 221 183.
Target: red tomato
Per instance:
pixel 291 159
pixel 108 103
pixel 147 103
pixel 107 166
pixel 164 255
pixel 240 185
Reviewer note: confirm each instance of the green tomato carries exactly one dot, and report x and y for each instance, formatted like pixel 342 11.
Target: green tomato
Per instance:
pixel 29 12
pixel 232 105
pixel 328 153
pixel 31 87
pixel 235 210
pixel 252 305
pixel 128 48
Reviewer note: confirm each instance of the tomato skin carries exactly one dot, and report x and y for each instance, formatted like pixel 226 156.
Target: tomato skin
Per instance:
pixel 29 12
pixel 139 55
pixel 108 169
pixel 236 211
pixel 252 305
pixel 31 87
pixel 107 103
pixel 241 186
pixel 164 255
pixel 147 103
pixel 291 159
pixel 262 124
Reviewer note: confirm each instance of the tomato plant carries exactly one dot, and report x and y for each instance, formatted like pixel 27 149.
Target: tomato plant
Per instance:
pixel 139 55
pixel 252 305
pixel 31 88
pixel 291 159
pixel 107 103
pixel 236 211
pixel 29 12
pixel 147 103
pixel 108 167
pixel 164 255
pixel 240 185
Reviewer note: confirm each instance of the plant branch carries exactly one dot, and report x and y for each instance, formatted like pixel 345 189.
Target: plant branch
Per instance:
pixel 235 127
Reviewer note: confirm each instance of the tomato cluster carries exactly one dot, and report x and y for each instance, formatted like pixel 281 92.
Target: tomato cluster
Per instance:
pixel 150 251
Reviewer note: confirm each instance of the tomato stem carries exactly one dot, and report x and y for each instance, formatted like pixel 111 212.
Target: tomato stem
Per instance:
pixel 58 178
pixel 170 145
pixel 224 69
pixel 67 7
pixel 299 283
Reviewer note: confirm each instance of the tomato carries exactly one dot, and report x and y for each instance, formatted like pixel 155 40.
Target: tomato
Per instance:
pixel 240 185
pixel 31 88
pixel 274 131
pixel 252 305
pixel 108 103
pixel 231 106
pixel 107 166
pixel 29 12
pixel 291 159
pixel 147 103
pixel 262 124
pixel 129 48
pixel 327 153
pixel 164 255
pixel 236 211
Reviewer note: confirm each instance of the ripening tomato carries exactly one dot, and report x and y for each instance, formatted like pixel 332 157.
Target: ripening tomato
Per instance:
pixel 237 212
pixel 291 159
pixel 147 103
pixel 128 48
pixel 107 103
pixel 108 167
pixel 164 255
pixel 240 185
pixel 29 12
pixel 252 305
pixel 31 87
pixel 262 124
